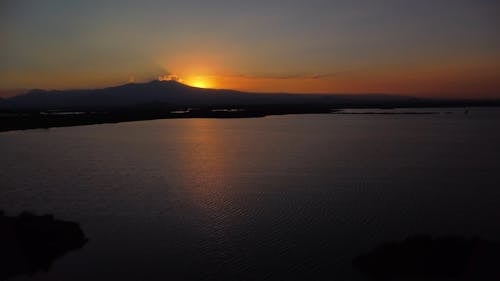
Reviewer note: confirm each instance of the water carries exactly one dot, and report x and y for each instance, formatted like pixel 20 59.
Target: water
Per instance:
pixel 275 198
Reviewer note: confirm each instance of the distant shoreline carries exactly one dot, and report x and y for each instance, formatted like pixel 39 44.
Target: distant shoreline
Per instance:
pixel 14 121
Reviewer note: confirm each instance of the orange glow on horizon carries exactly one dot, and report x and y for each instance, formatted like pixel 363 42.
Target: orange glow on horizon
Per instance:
pixel 470 77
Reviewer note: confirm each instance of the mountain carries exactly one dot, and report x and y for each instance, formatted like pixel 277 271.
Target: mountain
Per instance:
pixel 177 94
pixel 170 99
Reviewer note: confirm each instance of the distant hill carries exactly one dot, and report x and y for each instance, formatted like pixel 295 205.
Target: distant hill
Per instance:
pixel 178 94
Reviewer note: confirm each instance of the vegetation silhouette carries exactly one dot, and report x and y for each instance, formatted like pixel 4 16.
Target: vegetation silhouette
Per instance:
pixel 30 243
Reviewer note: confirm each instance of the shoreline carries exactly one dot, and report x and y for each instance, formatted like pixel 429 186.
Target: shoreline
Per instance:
pixel 17 121
pixel 44 120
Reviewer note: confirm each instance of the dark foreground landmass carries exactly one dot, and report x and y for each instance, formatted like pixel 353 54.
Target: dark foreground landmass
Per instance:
pixel 427 258
pixel 34 119
pixel 30 243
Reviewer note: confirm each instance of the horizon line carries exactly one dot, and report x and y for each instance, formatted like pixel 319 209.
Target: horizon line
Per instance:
pixel 10 93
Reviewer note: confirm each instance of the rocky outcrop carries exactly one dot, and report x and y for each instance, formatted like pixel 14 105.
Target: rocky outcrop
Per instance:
pixel 30 243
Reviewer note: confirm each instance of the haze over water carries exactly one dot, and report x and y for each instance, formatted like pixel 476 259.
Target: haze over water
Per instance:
pixel 274 198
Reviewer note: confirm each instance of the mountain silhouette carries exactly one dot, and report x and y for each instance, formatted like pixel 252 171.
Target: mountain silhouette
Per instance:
pixel 178 94
pixel 171 99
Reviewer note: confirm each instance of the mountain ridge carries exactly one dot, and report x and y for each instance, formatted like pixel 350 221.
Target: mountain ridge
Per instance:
pixel 170 99
pixel 178 94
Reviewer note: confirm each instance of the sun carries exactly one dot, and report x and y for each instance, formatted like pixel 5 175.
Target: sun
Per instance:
pixel 200 82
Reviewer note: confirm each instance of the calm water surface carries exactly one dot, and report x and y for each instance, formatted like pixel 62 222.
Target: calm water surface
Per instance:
pixel 275 198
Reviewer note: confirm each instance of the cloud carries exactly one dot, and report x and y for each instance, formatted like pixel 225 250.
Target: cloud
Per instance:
pixel 280 76
pixel 169 77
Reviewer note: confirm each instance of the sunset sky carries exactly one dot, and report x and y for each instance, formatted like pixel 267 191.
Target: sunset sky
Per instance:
pixel 448 48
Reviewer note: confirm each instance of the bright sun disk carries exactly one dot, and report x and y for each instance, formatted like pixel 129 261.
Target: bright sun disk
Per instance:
pixel 199 82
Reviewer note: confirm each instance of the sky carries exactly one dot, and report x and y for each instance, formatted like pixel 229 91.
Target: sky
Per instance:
pixel 440 48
